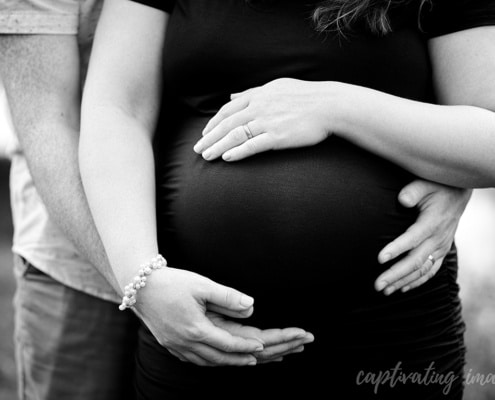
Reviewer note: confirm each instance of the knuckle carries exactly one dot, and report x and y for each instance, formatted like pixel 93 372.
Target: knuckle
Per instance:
pixel 217 359
pixel 424 270
pixel 277 141
pixel 223 125
pixel 266 354
pixel 399 283
pixel 238 134
pixel 252 147
pixel 228 296
pixel 228 347
pixel 418 264
pixel 412 237
pixel 431 229
pixel 194 333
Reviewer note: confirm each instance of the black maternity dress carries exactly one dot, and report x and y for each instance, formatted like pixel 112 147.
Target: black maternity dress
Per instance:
pixel 300 230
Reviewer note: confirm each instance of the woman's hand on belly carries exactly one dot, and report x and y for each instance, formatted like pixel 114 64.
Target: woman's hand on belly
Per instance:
pixel 432 234
pixel 174 307
pixel 285 113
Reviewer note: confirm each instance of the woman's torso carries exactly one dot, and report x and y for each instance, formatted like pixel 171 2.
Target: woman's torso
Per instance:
pixel 298 229
pixel 285 206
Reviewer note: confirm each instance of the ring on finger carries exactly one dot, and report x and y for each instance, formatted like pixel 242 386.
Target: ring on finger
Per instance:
pixel 247 131
pixel 431 259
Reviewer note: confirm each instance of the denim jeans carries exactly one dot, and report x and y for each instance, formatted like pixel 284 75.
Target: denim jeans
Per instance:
pixel 70 345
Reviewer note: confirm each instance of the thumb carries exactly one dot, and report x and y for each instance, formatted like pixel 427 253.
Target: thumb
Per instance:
pixel 413 193
pixel 228 298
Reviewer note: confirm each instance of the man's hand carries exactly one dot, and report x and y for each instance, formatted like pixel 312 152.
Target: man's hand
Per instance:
pixel 432 234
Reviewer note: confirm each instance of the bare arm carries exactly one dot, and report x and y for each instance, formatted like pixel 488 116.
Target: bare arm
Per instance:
pixel 119 113
pixel 460 152
pixel 449 144
pixel 41 76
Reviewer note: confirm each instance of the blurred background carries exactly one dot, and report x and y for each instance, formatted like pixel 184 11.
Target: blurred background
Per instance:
pixel 475 241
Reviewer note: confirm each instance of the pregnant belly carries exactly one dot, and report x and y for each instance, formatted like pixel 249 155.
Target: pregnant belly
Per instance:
pixel 285 219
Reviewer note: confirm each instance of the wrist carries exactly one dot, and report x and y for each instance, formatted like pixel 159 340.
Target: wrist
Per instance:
pixel 139 280
pixel 335 107
pixel 350 109
pixel 126 266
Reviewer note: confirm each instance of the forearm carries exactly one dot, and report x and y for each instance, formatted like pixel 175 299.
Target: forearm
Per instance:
pixel 117 168
pixel 55 170
pixel 41 77
pixel 446 144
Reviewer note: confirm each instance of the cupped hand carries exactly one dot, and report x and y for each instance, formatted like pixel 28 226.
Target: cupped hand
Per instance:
pixel 278 343
pixel 428 240
pixel 174 307
pixel 282 114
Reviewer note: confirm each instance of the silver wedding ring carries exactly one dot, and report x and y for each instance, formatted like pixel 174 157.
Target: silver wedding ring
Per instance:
pixel 431 259
pixel 248 132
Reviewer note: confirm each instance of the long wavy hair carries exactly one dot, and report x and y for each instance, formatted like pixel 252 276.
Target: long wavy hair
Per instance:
pixel 341 16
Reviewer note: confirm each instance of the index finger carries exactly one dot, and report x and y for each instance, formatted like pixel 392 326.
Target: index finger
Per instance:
pixel 416 234
pixel 226 111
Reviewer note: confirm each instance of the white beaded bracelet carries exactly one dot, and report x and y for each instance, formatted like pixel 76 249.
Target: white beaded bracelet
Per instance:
pixel 139 281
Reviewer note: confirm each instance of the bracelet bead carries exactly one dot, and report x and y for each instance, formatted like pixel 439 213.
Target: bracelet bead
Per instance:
pixel 139 281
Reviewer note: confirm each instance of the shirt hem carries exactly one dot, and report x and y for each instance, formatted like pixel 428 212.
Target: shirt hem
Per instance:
pixel 98 290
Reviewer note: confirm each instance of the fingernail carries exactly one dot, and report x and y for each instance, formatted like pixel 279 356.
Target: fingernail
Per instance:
pixel 207 154
pixel 389 290
pixel 299 349
pixel 252 362
pixel 405 289
pixel 259 349
pixel 246 301
pixel 227 156
pixel 381 285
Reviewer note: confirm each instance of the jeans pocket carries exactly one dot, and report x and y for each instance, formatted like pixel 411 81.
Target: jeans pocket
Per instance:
pixel 33 273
